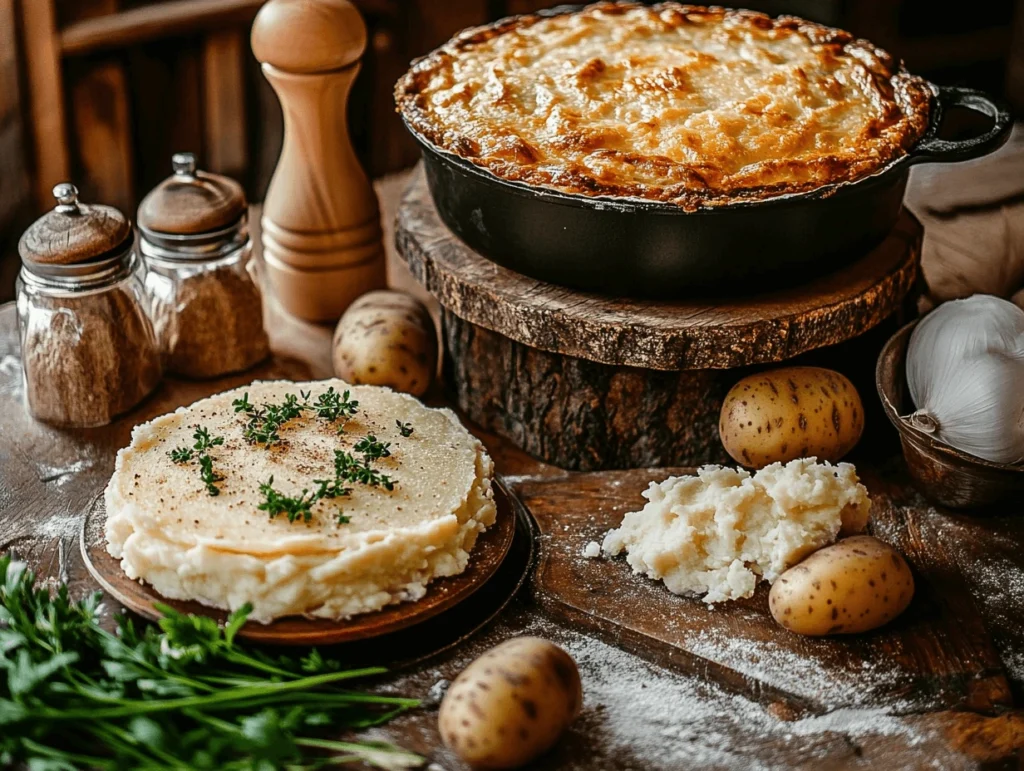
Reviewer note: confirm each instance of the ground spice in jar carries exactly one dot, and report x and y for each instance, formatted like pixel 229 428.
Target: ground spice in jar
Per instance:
pixel 204 293
pixel 88 348
pixel 88 359
pixel 211 323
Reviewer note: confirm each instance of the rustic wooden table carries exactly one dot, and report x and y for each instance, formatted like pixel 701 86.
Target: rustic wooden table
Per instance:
pixel 668 683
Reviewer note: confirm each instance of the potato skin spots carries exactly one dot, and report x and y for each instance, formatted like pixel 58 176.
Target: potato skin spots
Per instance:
pixel 510 705
pixel 853 586
pixel 386 338
pixel 789 413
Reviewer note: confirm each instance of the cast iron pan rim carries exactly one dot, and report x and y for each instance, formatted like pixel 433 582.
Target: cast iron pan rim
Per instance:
pixel 933 444
pixel 626 204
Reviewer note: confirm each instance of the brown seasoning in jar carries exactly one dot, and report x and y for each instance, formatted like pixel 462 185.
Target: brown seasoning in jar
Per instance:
pixel 94 360
pixel 88 347
pixel 213 325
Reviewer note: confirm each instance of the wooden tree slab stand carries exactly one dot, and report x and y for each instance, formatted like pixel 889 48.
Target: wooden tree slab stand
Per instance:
pixel 590 382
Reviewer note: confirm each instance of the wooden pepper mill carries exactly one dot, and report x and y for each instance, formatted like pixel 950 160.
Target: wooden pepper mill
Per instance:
pixel 322 241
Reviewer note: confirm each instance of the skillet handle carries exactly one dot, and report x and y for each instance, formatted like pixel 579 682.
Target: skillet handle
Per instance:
pixel 932 149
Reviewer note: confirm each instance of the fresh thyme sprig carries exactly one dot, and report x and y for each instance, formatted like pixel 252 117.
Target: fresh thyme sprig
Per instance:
pixel 405 429
pixel 181 454
pixel 373 449
pixel 331 405
pixel 274 503
pixel 200 451
pixel 264 423
pixel 350 469
pixel 301 507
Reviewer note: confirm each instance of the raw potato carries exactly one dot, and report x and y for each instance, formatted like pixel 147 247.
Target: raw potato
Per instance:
pixel 857 584
pixel 511 704
pixel 795 412
pixel 386 338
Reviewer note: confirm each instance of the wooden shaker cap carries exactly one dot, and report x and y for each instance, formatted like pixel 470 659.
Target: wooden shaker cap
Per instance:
pixel 73 232
pixel 191 202
pixel 306 36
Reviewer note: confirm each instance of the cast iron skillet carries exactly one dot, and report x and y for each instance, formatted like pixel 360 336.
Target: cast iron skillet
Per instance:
pixel 630 247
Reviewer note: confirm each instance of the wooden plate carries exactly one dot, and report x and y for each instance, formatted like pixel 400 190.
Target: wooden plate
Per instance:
pixel 443 593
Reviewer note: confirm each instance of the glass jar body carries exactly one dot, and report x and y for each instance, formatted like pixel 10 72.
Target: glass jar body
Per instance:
pixel 207 314
pixel 88 348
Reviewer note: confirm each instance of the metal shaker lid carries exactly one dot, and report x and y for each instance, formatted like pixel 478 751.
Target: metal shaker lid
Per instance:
pixel 74 233
pixel 191 202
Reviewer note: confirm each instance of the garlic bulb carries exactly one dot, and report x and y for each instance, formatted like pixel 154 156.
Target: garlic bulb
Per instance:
pixel 965 369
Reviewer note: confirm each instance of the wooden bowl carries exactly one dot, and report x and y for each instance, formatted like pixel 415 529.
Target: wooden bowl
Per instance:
pixel 944 475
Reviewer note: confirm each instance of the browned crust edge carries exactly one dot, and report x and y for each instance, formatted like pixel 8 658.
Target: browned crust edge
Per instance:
pixel 911 94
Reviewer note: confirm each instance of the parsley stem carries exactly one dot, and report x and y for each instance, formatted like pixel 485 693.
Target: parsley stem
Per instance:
pixel 129 745
pixel 51 752
pixel 223 697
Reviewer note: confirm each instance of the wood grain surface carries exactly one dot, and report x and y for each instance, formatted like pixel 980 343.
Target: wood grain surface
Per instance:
pixel 694 701
pixel 665 687
pixel 715 333
pixel 935 656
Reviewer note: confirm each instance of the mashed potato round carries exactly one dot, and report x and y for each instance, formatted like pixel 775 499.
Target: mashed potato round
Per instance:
pixel 717 533
pixel 224 552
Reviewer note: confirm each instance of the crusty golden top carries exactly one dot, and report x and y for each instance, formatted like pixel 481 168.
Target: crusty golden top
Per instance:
pixel 697 106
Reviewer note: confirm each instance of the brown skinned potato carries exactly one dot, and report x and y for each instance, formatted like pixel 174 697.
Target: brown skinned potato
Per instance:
pixel 386 338
pixel 511 704
pixel 855 585
pixel 794 412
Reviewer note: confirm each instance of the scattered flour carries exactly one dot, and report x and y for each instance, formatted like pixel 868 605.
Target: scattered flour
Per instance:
pixel 999 588
pixel 61 474
pixel 804 674
pixel 655 719
pixel 59 525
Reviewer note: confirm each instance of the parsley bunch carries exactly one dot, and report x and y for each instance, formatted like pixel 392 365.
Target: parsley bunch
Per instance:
pixel 200 451
pixel 183 695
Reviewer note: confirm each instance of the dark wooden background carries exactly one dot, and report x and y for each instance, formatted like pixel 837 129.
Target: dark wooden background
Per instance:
pixel 103 91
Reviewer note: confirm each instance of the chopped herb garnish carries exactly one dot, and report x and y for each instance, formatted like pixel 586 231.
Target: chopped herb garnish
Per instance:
pixel 350 469
pixel 405 429
pixel 331 488
pixel 331 405
pixel 372 449
pixel 275 503
pixel 209 476
pixel 181 454
pixel 199 451
pixel 265 422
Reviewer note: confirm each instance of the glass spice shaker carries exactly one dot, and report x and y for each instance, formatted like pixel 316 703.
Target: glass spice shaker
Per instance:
pixel 202 281
pixel 87 345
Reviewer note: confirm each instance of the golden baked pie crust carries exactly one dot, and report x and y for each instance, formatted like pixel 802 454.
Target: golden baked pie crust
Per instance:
pixel 684 104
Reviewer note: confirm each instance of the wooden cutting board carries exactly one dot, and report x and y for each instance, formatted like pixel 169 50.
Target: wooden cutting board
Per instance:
pixel 937 655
